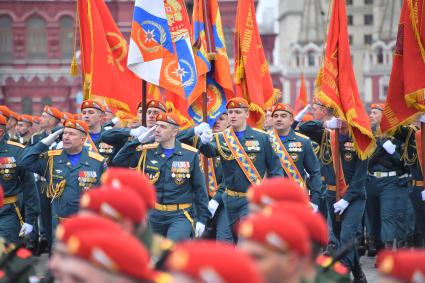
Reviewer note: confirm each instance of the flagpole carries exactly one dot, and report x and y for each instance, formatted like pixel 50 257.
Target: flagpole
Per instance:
pixel 337 170
pixel 144 103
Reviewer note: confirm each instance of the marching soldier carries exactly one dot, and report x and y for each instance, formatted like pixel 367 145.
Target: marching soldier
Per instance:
pixel 15 180
pixel 92 113
pixel 353 196
pixel 174 169
pixel 246 156
pixel 382 185
pixel 68 171
pixel 295 152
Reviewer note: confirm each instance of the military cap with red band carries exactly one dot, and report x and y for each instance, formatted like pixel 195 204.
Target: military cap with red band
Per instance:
pixel 283 107
pixel 26 118
pixel 237 102
pixel 114 252
pixel 5 111
pixel 276 190
pixel 92 104
pixel 169 118
pixel 154 104
pixel 377 106
pixel 208 261
pixel 77 124
pixel 314 223
pixel 403 265
pixel 53 111
pixel 121 178
pixel 3 120
pixel 277 231
pixel 115 204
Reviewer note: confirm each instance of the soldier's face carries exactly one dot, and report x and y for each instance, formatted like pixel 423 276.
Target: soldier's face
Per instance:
pixel 268 122
pixel 238 117
pixel 221 124
pixel 151 116
pixel 108 116
pixel 274 266
pixel 23 128
pixel 282 120
pixel 375 116
pixel 165 132
pixel 72 139
pixel 92 116
pixel 11 123
pixel 319 112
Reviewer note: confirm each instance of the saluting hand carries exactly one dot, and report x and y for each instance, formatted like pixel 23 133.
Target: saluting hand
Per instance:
pixel 52 137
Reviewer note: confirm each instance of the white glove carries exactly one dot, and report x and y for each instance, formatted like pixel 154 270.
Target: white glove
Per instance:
pixel 206 137
pixel 59 145
pixel 212 207
pixel 147 136
pixel 334 123
pixel 52 137
pixel 423 195
pixel 199 229
pixel 138 131
pixel 201 128
pixel 340 206
pixel 422 119
pixel 389 147
pixel 26 229
pixel 315 207
pixel 302 113
pixel 115 120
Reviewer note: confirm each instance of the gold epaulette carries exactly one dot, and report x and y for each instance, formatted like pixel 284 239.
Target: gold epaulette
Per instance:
pixel 188 147
pixel 150 146
pixel 54 152
pixel 96 156
pixel 16 144
pixel 301 135
pixel 260 131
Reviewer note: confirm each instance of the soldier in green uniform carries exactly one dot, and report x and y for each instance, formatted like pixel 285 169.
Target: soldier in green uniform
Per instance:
pixel 351 206
pixel 24 129
pixel 255 157
pixel 92 113
pixel 68 171
pixel 174 169
pixel 11 124
pixel 295 152
pixel 15 180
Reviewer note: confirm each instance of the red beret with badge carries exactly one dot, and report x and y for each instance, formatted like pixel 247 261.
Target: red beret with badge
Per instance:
pixel 377 106
pixel 169 118
pixel 237 102
pixel 154 104
pixel 26 118
pixel 5 111
pixel 208 261
pixel 283 107
pixel 77 124
pixel 54 112
pixel 14 115
pixel 92 104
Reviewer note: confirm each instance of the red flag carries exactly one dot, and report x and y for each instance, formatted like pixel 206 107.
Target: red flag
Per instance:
pixel 104 59
pixel 338 87
pixel 178 105
pixel 302 99
pixel 407 82
pixel 252 75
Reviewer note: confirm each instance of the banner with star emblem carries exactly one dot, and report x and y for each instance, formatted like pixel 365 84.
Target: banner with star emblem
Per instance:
pixel 160 45
pixel 104 50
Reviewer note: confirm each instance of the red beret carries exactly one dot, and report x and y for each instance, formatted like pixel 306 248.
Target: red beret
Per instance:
pixel 92 104
pixel 237 102
pixel 276 190
pixel 277 231
pixel 314 223
pixel 77 124
pixel 14 115
pixel 208 261
pixel 154 104
pixel 115 204
pixel 77 223
pixel 134 180
pixel 3 120
pixel 404 265
pixel 115 252
pixel 54 112
pixel 377 106
pixel 26 118
pixel 168 118
pixel 318 102
pixel 283 107
pixel 67 115
pixel 5 111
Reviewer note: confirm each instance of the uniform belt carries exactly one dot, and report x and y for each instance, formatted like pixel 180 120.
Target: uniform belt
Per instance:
pixel 417 183
pixel 10 199
pixel 172 207
pixel 231 193
pixel 383 174
pixel 332 188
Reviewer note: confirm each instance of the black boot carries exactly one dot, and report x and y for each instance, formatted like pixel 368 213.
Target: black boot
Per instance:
pixel 361 246
pixel 358 274
pixel 371 247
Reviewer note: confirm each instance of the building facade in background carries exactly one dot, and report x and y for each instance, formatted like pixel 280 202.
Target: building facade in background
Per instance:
pixel 372 27
pixel 37 45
